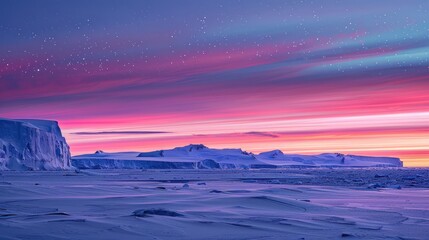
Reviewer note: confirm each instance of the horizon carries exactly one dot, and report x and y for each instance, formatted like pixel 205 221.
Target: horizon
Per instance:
pixel 209 147
pixel 259 75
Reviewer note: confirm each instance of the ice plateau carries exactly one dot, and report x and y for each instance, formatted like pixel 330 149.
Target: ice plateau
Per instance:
pixel 198 156
pixel 28 144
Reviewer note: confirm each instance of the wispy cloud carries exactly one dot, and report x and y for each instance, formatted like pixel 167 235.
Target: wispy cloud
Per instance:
pixel 119 132
pixel 263 134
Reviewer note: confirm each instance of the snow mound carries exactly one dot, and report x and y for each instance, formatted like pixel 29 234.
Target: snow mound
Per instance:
pixel 275 154
pixel 29 144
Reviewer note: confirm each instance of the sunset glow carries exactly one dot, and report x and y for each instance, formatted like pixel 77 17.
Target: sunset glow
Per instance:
pixel 257 75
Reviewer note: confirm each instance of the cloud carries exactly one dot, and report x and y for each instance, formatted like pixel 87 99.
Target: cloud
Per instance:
pixel 263 134
pixel 119 132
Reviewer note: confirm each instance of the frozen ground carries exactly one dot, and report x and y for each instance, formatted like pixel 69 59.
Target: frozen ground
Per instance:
pixel 216 204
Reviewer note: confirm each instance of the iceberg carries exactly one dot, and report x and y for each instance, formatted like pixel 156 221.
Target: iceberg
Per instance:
pixel 28 144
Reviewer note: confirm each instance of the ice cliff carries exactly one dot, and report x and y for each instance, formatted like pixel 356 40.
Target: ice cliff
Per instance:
pixel 32 145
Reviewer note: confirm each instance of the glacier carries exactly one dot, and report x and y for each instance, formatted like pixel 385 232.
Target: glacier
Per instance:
pixel 198 156
pixel 28 144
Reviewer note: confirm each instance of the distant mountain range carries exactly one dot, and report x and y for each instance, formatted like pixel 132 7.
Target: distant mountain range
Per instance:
pixel 198 156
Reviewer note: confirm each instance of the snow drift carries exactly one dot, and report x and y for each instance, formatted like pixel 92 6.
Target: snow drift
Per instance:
pixel 32 145
pixel 198 156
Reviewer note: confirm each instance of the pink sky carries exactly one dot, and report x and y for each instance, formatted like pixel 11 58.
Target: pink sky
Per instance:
pixel 254 77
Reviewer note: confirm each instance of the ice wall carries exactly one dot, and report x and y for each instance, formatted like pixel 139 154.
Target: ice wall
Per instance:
pixel 32 145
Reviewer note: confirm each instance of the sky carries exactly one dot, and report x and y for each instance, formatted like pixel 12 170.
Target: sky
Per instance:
pixel 301 76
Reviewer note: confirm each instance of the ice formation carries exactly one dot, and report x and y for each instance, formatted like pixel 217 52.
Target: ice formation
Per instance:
pixel 198 156
pixel 32 145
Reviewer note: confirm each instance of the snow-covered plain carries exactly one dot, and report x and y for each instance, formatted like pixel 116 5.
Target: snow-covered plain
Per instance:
pixel 195 192
pixel 198 156
pixel 373 203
